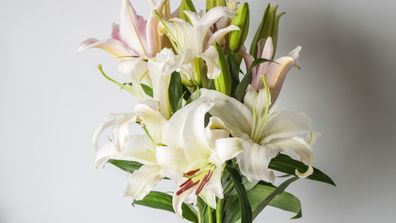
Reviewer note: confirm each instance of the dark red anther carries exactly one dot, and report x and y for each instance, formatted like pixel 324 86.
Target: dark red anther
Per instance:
pixel 185 186
pixel 203 182
pixel 192 172
pixel 185 182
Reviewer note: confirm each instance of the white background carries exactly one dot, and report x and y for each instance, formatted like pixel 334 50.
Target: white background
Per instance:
pixel 51 99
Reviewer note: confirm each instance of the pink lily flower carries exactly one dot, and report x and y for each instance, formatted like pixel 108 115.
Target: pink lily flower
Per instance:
pixel 274 72
pixel 133 37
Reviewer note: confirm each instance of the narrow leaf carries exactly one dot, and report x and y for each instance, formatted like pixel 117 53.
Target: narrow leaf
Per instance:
pixel 147 89
pixel 245 208
pixel 162 201
pixel 128 166
pixel 175 90
pixel 279 190
pixel 242 86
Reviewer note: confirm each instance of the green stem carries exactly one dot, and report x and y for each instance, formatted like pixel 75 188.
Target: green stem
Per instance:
pixel 209 214
pixel 219 211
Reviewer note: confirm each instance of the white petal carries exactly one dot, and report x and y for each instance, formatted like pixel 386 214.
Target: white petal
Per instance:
pixel 112 46
pixel 171 159
pixel 285 124
pixel 186 127
pixel 235 115
pixel 228 148
pixel 142 181
pixel 211 58
pixel 254 160
pixel 153 35
pixel 140 149
pixel 208 197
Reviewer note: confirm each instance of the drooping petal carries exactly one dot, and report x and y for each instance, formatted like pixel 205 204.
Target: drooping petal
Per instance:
pixel 286 124
pixel 142 181
pixel 235 115
pixel 254 160
pixel 112 46
pixel 211 58
pixel 215 130
pixel 208 197
pixel 132 28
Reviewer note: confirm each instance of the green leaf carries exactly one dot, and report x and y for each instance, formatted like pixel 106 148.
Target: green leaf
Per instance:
pixel 286 164
pixel 128 166
pixel 242 86
pixel 245 208
pixel 223 81
pixel 175 90
pixel 279 190
pixel 284 201
pixel 147 89
pixel 162 201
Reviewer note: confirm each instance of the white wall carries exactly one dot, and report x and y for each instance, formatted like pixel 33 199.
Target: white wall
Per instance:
pixel 51 100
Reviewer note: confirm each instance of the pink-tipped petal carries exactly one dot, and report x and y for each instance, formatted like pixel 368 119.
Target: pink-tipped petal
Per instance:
pixel 112 46
pixel 132 28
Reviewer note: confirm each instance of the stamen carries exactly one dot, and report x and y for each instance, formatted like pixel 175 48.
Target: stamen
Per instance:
pixel 192 172
pixel 203 182
pixel 187 185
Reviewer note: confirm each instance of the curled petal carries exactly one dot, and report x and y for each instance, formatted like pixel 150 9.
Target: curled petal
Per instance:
pixel 219 34
pixel 142 181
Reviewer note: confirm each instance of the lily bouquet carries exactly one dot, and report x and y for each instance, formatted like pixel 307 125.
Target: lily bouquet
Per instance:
pixel 205 112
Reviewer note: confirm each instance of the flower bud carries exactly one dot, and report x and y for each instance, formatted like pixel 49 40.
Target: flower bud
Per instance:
pixel 267 28
pixel 186 5
pixel 223 80
pixel 214 3
pixel 236 39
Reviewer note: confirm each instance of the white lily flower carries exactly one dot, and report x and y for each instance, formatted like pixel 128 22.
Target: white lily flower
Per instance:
pixel 138 148
pixel 196 37
pixel 263 134
pixel 275 72
pixel 205 149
